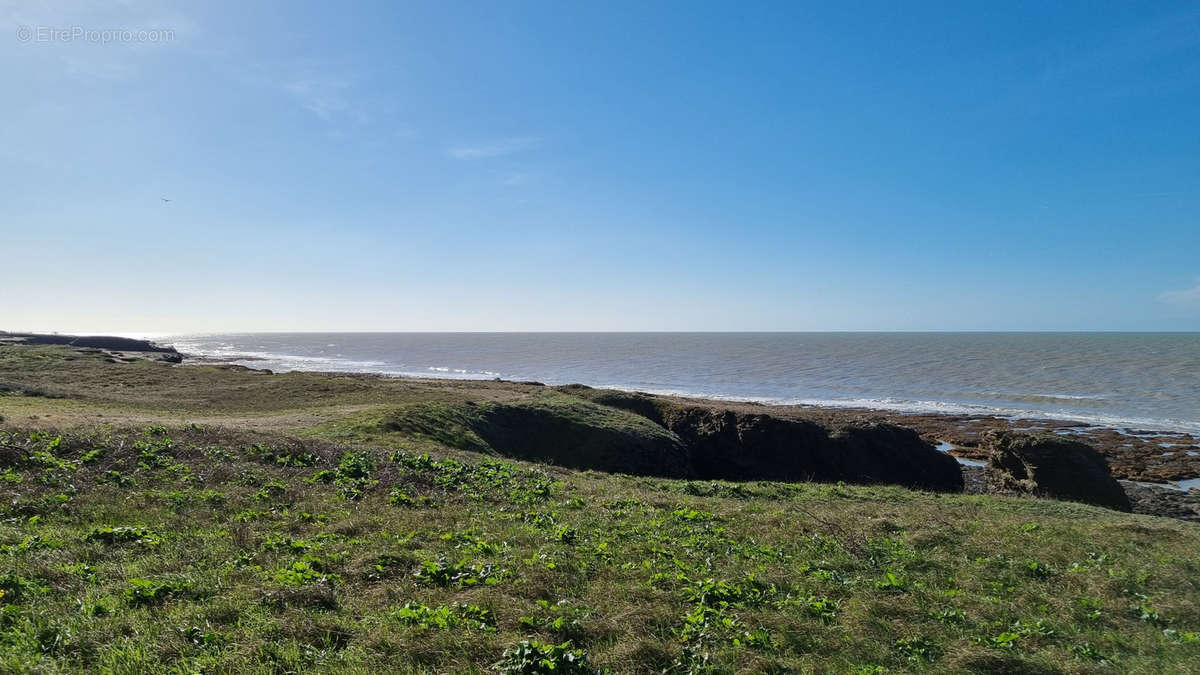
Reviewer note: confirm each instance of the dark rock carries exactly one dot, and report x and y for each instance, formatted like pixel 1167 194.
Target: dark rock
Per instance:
pixel 583 437
pixel 1052 466
pixel 570 433
pixel 1160 500
pixel 887 453
pixel 634 402
pixel 742 442
pixel 236 367
pixel 105 342
pixel 645 435
pixel 731 445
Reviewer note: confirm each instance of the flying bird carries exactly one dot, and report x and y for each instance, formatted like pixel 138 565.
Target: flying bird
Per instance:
pixel 164 199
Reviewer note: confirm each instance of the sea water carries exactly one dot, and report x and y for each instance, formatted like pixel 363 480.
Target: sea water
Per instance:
pixel 1142 381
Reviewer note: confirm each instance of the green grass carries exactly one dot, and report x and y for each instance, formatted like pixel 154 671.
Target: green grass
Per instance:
pixel 226 552
pixel 199 519
pixel 544 425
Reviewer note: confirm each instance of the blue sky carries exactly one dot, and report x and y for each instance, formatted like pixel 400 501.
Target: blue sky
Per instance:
pixel 602 166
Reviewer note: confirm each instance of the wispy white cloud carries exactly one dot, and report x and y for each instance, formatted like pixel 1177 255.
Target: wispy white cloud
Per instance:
pixel 324 98
pixel 494 148
pixel 1187 296
pixel 331 99
pixel 515 178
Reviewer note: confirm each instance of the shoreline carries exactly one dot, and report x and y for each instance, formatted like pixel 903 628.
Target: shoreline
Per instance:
pixel 1129 425
pixel 368 406
pixel 1134 453
pixel 1132 424
pixel 1159 457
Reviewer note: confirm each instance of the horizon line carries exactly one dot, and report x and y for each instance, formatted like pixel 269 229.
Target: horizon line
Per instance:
pixel 160 334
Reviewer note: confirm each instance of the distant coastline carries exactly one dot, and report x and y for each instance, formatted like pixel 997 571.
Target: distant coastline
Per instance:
pixel 1107 380
pixel 1158 468
pixel 1137 452
pixel 1137 449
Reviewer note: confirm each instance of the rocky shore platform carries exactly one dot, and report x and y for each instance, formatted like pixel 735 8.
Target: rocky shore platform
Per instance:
pixel 1146 463
pixel 1132 454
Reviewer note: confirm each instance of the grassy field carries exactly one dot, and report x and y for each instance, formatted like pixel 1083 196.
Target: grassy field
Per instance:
pixel 199 519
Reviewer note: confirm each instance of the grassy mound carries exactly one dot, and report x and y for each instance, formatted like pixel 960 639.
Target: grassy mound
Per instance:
pixel 551 428
pixel 205 549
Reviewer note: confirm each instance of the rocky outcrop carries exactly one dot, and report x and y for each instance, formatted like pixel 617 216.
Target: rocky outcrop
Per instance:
pixel 556 430
pixel 1049 466
pixel 1132 454
pixel 639 434
pixel 584 436
pixel 734 445
pixel 754 442
pixel 106 343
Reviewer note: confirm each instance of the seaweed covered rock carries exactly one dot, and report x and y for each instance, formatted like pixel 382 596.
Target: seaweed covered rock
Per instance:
pixel 1049 466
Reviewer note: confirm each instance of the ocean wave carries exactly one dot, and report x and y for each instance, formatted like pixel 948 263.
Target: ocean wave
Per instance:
pixel 918 407
pixel 1058 406
pixel 288 362
pixel 1075 399
pixel 274 361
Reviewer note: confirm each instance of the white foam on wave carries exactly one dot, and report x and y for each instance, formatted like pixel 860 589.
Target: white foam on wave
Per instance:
pixel 227 353
pixel 274 361
pixel 285 362
pixel 942 408
pixel 1036 396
